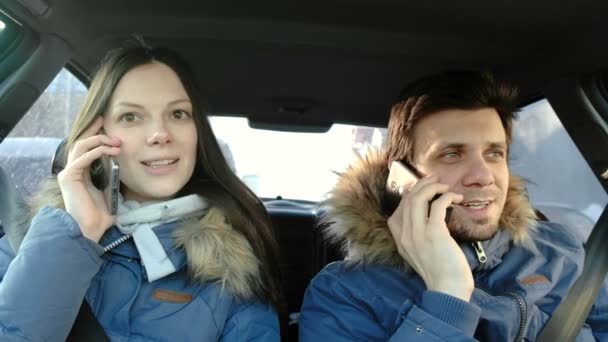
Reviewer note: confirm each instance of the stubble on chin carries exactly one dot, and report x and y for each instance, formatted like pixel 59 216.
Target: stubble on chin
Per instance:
pixel 472 230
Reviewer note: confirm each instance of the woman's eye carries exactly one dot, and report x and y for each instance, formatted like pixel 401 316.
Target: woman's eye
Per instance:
pixel 128 117
pixel 181 114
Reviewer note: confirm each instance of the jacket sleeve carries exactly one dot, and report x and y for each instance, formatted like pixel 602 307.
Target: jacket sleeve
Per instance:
pixel 252 322
pixel 44 283
pixel 331 312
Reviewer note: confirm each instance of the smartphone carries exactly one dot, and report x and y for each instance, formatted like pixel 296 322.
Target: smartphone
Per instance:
pixel 402 177
pixel 113 187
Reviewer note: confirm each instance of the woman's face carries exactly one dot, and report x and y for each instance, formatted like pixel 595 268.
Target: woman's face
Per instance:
pixel 151 113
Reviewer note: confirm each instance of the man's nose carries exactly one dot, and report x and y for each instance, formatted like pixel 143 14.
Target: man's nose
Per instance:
pixel 479 173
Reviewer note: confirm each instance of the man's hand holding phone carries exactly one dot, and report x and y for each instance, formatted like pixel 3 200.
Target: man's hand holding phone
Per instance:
pixel 83 201
pixel 424 241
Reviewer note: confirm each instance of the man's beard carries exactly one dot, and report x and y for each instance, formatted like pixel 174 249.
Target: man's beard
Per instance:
pixel 472 230
pixel 466 229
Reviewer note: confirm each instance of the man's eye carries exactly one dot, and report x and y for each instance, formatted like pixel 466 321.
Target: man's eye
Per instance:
pixel 128 117
pixel 181 114
pixel 496 154
pixel 450 156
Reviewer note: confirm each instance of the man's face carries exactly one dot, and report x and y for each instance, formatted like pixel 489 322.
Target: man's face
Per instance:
pixel 467 150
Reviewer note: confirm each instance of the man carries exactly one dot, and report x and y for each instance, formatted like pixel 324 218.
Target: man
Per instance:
pixel 492 272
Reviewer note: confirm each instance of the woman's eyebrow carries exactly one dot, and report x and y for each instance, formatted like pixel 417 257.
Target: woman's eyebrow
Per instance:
pixel 128 104
pixel 132 104
pixel 174 102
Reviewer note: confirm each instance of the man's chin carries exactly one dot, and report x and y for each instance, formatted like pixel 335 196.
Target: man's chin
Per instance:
pixel 480 230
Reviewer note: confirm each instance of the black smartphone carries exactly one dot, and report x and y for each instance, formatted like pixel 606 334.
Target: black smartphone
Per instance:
pixel 402 177
pixel 113 186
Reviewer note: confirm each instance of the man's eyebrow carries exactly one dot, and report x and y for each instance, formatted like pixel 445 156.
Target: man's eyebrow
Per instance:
pixel 502 145
pixel 452 146
pixel 461 146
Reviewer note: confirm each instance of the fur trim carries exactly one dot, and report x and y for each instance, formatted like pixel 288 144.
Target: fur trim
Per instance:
pixel 354 216
pixel 215 251
pixel 49 195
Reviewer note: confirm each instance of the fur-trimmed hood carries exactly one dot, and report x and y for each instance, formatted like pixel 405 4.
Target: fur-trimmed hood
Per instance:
pixel 214 250
pixel 353 214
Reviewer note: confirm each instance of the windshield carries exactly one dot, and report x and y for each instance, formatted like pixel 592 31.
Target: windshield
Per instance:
pixel 298 166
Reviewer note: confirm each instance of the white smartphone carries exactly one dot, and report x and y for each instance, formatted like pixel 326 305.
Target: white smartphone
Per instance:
pixel 113 187
pixel 402 177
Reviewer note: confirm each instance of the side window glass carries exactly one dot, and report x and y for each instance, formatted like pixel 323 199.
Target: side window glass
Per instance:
pixel 26 153
pixel 560 182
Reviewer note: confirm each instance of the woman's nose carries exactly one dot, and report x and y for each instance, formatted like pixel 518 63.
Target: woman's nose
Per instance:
pixel 160 135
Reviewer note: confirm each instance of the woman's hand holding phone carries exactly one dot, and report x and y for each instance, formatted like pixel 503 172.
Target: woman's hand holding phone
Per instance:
pixel 83 201
pixel 424 240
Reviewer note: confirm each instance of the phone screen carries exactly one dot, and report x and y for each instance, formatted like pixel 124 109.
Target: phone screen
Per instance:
pixel 402 177
pixel 113 187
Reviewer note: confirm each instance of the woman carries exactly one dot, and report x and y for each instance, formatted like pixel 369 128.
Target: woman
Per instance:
pixel 188 255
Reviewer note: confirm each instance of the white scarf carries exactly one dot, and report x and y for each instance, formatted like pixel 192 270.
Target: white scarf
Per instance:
pixel 139 219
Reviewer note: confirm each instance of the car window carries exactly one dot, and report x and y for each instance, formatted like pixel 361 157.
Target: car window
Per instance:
pixel 9 33
pixel 26 153
pixel 560 182
pixel 303 166
pixel 299 166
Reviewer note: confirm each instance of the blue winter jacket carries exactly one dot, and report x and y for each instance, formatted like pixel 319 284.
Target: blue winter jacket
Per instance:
pixel 374 296
pixel 55 268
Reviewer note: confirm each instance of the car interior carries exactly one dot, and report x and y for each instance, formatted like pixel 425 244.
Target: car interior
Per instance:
pixel 303 67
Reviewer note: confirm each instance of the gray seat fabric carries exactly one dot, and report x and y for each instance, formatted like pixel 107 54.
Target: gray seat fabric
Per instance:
pixel 10 203
pixel 27 161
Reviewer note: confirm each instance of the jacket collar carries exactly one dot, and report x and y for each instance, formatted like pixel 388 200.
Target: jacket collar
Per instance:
pixel 493 249
pixel 165 235
pixel 211 249
pixel 353 216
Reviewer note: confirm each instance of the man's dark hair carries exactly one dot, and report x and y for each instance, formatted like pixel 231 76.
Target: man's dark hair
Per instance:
pixel 463 89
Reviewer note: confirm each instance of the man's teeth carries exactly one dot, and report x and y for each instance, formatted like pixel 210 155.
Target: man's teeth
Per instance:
pixel 160 162
pixel 476 205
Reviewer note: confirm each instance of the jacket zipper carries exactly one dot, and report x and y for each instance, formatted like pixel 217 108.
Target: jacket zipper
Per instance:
pixel 117 242
pixel 523 308
pixel 482 258
pixel 481 255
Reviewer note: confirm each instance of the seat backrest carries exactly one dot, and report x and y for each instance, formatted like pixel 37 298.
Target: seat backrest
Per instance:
pixel 304 253
pixel 5 200
pixel 294 230
pixel 11 206
pixel 27 161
